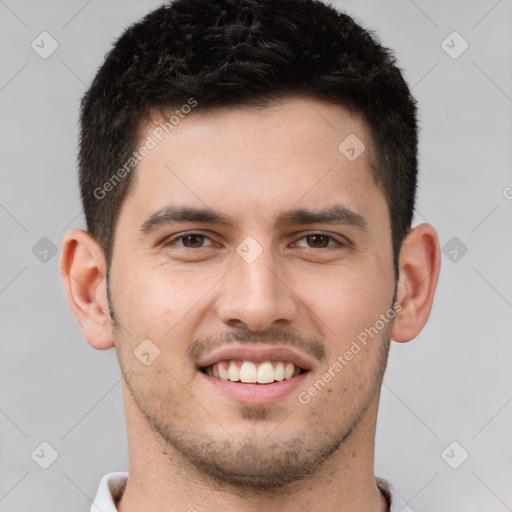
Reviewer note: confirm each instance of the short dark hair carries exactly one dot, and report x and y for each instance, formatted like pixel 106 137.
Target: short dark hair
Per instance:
pixel 225 53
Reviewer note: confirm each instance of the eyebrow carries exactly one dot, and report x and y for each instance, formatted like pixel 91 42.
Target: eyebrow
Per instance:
pixel 335 215
pixel 173 214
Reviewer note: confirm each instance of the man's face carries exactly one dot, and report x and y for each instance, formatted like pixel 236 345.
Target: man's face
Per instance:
pixel 262 288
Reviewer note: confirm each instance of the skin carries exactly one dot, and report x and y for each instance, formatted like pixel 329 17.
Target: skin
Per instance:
pixel 191 446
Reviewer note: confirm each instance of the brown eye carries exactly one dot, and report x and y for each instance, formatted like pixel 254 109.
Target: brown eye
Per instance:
pixel 189 241
pixel 318 241
pixel 193 241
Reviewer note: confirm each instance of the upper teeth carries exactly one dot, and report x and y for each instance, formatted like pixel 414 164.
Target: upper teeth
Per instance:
pixel 247 371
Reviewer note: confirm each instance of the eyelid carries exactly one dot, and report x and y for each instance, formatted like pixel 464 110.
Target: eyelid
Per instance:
pixel 337 242
pixel 170 240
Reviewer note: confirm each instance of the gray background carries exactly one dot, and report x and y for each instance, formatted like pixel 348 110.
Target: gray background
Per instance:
pixel 452 383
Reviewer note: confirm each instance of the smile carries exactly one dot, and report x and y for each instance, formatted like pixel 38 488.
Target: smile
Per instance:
pixel 255 373
pixel 265 372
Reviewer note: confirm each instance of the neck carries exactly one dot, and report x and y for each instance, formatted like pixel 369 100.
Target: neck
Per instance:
pixel 160 478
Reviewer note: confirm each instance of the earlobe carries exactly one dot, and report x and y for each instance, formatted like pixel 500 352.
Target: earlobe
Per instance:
pixel 83 268
pixel 420 261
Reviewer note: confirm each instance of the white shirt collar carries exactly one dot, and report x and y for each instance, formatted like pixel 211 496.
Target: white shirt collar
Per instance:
pixel 112 487
pixel 110 490
pixel 397 504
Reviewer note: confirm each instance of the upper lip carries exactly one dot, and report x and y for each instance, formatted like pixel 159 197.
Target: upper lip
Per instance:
pixel 256 354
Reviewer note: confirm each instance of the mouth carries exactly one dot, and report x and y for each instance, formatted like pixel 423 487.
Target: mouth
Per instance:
pixel 250 372
pixel 255 374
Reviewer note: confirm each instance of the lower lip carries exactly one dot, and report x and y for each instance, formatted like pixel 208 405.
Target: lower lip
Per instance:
pixel 256 393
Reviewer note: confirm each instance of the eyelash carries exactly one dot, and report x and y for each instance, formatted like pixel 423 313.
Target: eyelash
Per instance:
pixel 170 241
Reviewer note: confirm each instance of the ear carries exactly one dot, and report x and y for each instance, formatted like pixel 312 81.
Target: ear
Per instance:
pixel 83 270
pixel 419 265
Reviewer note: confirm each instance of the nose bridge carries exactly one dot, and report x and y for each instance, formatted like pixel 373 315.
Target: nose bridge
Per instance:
pixel 255 293
pixel 259 276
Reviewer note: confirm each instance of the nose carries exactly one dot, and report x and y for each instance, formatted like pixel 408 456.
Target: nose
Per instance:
pixel 257 294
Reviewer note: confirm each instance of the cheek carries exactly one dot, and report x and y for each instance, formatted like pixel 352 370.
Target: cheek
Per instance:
pixel 165 306
pixel 155 391
pixel 346 299
pixel 153 300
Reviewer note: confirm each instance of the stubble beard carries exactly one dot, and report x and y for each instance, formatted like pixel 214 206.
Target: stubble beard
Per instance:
pixel 256 465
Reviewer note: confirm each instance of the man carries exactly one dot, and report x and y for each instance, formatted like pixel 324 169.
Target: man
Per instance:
pixel 248 174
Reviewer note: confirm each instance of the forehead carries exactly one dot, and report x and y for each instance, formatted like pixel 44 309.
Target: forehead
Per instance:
pixel 297 152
